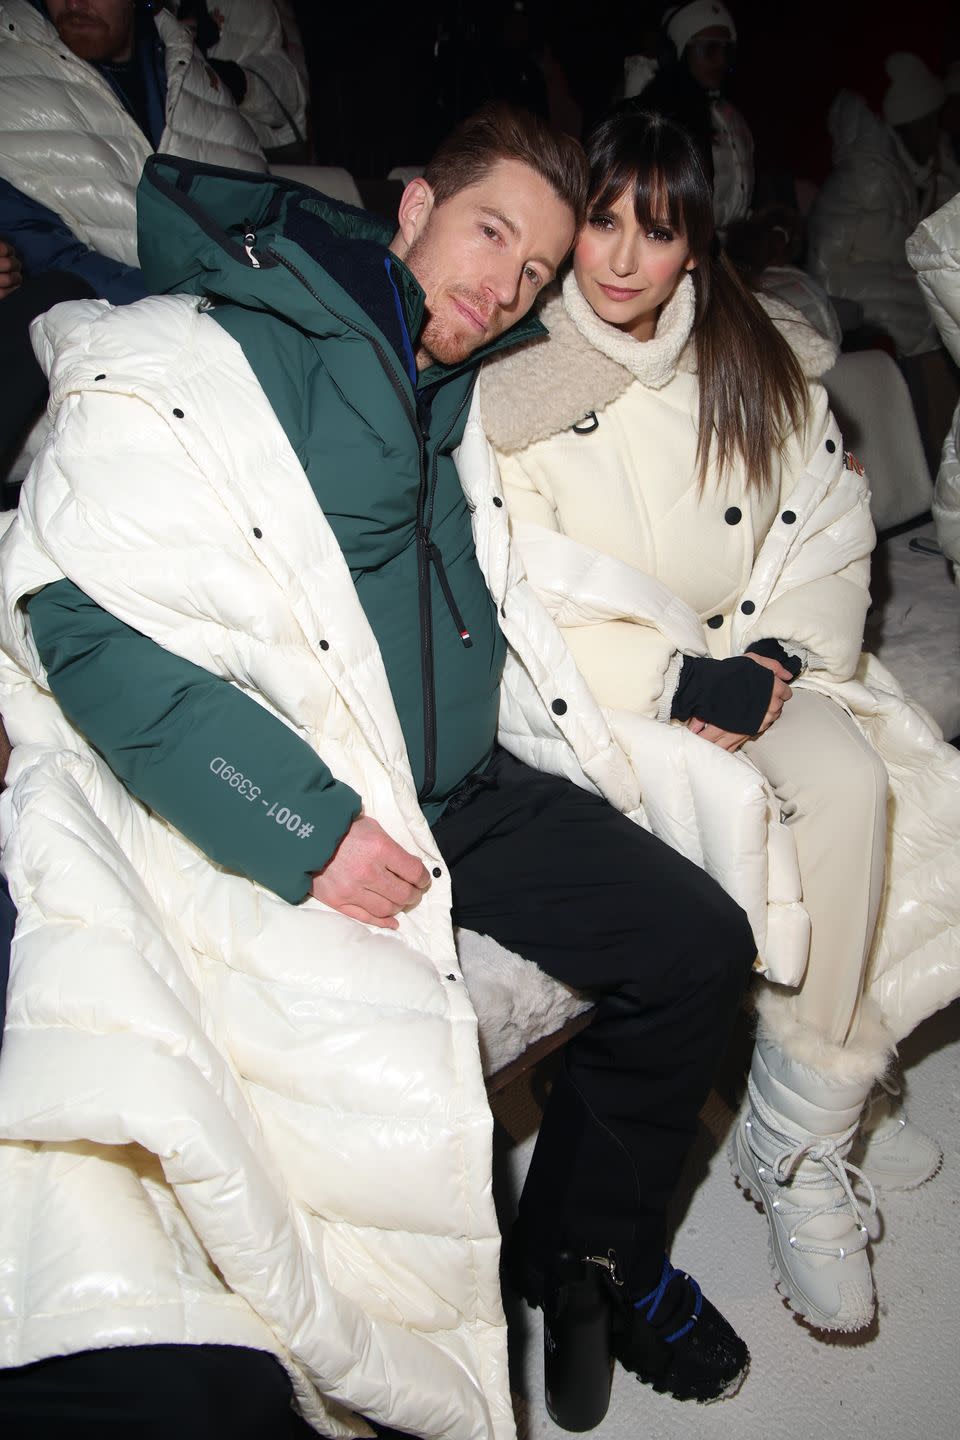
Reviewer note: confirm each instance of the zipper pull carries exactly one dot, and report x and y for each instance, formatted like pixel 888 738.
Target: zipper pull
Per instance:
pixel 249 240
pixel 609 1263
pixel 437 559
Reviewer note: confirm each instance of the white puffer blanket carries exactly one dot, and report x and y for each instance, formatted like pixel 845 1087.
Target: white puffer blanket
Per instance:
pixel 256 1123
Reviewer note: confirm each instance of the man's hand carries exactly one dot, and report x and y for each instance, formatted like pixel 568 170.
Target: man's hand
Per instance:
pixel 726 739
pixel 11 271
pixel 370 877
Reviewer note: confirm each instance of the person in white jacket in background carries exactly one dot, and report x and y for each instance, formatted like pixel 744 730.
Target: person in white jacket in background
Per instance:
pixel 244 41
pixel 883 183
pixel 934 252
pixel 699 43
pixel 680 497
pixel 890 171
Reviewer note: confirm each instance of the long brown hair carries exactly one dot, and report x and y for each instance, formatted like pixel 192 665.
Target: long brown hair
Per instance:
pixel 753 395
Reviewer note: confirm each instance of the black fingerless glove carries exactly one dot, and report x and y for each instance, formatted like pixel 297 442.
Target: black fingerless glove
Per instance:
pixel 773 650
pixel 733 694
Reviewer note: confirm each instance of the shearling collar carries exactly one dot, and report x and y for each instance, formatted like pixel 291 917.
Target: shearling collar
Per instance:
pixel 585 364
pixel 547 386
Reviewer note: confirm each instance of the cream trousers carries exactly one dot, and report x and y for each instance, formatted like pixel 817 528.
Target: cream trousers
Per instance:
pixel 832 788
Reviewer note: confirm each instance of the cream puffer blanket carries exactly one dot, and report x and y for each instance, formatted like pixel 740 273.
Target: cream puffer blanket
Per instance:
pixel 250 1122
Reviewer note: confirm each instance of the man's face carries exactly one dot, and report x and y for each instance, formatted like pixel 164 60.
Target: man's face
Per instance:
pixel 95 29
pixel 481 257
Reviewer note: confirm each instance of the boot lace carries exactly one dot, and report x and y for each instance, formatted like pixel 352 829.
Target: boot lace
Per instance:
pixel 831 1154
pixel 692 1293
pixel 886 1089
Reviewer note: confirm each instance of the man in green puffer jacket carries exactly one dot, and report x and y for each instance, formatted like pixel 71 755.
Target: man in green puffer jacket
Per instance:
pixel 366 347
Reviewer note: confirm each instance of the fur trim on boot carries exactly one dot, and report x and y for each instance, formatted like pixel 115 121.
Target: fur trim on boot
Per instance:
pixel 861 1061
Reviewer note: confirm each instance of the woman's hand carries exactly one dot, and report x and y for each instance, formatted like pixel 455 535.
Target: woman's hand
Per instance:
pixel 781 688
pixel 728 739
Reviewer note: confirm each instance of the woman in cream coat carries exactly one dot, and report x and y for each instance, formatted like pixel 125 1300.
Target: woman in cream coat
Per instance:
pixel 681 499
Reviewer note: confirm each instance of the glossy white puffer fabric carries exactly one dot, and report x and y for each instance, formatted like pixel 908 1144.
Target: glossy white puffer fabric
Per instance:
pixel 934 252
pixel 268 1121
pixel 66 141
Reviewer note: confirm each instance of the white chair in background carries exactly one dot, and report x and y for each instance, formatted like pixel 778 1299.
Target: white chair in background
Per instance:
pixel 405 173
pixel 914 627
pixel 330 180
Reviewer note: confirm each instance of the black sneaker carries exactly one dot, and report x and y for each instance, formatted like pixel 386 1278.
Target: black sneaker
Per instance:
pixel 676 1341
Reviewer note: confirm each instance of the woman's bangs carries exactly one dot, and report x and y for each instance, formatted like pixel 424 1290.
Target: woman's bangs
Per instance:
pixel 654 201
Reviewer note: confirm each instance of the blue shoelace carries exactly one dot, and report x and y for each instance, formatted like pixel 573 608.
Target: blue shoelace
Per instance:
pixel 656 1295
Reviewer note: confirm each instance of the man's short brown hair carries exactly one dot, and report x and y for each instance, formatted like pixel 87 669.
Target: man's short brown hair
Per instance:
pixel 503 132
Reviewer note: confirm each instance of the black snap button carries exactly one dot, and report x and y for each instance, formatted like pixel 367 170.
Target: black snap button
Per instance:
pixel 748 607
pixel 258 533
pixel 831 446
pixel 324 644
pixel 734 515
pixel 178 413
pixel 437 872
pixel 559 707
pixel 497 501
pixel 181 62
pixel 715 622
pixel 788 517
pixel 451 976
pixel 99 377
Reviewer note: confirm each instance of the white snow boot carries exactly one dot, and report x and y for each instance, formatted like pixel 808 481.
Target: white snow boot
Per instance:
pixel 893 1153
pixel 790 1152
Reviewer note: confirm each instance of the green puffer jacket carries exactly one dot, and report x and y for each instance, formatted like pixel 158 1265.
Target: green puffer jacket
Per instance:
pixel 327 318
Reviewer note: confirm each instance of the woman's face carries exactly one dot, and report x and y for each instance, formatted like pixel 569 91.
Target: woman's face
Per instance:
pixel 709 55
pixel 625 272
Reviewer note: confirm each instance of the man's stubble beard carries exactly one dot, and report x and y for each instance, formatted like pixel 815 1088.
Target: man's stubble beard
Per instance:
pixel 439 341
pixel 90 43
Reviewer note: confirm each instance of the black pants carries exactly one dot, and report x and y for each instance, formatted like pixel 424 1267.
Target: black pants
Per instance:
pixel 152 1392
pixel 555 874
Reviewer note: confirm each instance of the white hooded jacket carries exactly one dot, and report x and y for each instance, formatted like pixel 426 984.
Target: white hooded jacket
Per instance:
pixel 251 35
pixel 66 140
pixel 861 218
pixel 934 252
pixel 257 1123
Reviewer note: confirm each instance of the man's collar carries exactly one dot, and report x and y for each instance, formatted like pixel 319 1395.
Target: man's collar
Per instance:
pixel 412 298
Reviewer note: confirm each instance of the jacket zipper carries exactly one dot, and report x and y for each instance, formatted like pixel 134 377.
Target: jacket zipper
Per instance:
pixel 427 552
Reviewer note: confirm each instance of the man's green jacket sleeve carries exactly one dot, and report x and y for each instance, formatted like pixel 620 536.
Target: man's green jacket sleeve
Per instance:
pixel 233 778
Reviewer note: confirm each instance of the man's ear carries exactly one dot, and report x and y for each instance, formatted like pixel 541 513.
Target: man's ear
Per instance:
pixel 413 216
